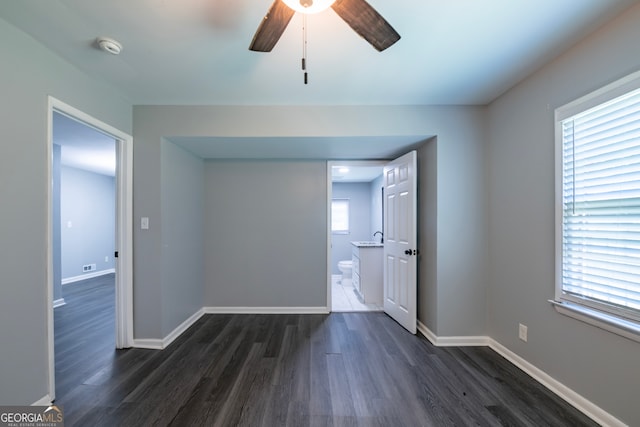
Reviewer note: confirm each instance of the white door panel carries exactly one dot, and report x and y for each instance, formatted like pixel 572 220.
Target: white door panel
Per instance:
pixel 400 248
pixel 389 272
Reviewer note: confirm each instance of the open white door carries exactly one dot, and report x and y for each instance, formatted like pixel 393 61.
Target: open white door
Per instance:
pixel 400 240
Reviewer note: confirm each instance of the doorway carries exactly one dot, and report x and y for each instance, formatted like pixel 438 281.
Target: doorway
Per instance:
pixel 119 262
pixel 355 209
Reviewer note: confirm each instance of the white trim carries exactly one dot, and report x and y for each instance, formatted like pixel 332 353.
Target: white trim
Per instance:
pixel 604 94
pixel 453 341
pixel 605 321
pixel 161 344
pixel 124 229
pixel 91 275
pixel 51 365
pixel 44 401
pixel 566 304
pixel 329 235
pixel 585 406
pixel 148 343
pixel 427 333
pixel 330 165
pixel 59 303
pixel 182 327
pixel 266 310
pixel 124 242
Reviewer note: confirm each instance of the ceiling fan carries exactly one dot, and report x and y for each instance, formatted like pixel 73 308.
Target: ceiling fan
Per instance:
pixel 358 14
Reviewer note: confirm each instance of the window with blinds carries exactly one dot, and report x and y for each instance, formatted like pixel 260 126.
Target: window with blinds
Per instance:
pixel 600 205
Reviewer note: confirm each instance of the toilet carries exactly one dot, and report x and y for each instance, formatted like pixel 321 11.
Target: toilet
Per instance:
pixel 345 267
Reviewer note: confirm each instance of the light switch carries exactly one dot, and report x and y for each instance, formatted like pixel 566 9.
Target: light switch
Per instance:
pixel 69 224
pixel 144 223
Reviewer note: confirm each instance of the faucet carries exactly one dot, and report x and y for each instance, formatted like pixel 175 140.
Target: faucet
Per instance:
pixel 381 236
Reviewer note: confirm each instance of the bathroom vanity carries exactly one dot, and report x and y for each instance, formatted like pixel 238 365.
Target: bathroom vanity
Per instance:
pixel 367 274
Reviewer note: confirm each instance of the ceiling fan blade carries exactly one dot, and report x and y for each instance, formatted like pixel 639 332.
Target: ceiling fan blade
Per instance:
pixel 271 27
pixel 368 23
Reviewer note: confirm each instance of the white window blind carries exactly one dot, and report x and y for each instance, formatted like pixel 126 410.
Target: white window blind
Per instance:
pixel 601 207
pixel 340 216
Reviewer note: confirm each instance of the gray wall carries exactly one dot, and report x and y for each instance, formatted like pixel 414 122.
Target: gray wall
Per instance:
pixel 88 202
pixel 599 365
pixel 453 225
pixel 486 216
pixel 460 266
pixel 428 234
pixel 183 230
pixel 30 72
pixel 265 231
pixel 375 187
pixel 169 280
pixel 359 195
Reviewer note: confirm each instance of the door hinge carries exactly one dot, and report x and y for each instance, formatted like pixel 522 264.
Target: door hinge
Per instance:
pixel 115 255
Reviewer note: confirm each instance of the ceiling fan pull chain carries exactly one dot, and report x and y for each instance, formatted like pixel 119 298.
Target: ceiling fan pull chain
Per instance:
pixel 304 47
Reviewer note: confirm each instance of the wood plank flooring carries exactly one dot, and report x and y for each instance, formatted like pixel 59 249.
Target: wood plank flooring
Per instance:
pixel 343 369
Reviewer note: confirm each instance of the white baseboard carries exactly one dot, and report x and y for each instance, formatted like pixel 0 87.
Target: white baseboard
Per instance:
pixel 266 310
pixel 45 401
pixel 585 406
pixel 468 341
pixel 86 276
pixel 160 344
pixel 59 303
pixel 148 343
pixel 576 400
pixel 182 327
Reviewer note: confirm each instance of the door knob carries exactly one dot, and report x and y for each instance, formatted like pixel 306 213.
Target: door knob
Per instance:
pixel 411 252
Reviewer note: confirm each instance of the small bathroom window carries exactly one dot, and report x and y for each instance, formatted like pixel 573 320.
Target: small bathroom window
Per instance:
pixel 340 216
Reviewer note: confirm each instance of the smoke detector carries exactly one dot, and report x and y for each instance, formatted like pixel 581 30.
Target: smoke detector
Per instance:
pixel 109 45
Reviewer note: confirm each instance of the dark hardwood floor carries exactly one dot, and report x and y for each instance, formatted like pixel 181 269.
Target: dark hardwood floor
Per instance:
pixel 343 369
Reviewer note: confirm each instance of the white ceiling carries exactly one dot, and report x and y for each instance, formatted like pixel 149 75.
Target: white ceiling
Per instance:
pixel 195 52
pixel 356 171
pixel 84 147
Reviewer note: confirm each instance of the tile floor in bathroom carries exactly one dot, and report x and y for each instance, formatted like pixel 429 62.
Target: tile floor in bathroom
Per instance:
pixel 345 299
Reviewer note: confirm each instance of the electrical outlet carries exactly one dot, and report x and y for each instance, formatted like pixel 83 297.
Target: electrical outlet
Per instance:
pixel 106 258
pixel 522 332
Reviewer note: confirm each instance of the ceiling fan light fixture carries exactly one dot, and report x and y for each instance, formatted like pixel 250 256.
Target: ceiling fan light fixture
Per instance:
pixel 309 6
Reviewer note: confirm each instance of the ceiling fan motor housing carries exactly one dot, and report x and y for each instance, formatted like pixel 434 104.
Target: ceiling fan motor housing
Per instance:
pixel 358 14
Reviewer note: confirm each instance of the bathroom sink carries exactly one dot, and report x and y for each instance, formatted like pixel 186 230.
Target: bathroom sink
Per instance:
pixel 367 243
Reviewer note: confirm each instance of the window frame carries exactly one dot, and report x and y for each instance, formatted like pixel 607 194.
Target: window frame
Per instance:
pixel 572 307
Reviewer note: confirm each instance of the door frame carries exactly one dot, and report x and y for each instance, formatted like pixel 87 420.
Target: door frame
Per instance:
pixel 124 229
pixel 330 165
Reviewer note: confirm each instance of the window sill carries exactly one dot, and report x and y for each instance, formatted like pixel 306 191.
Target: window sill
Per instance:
pixel 624 328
